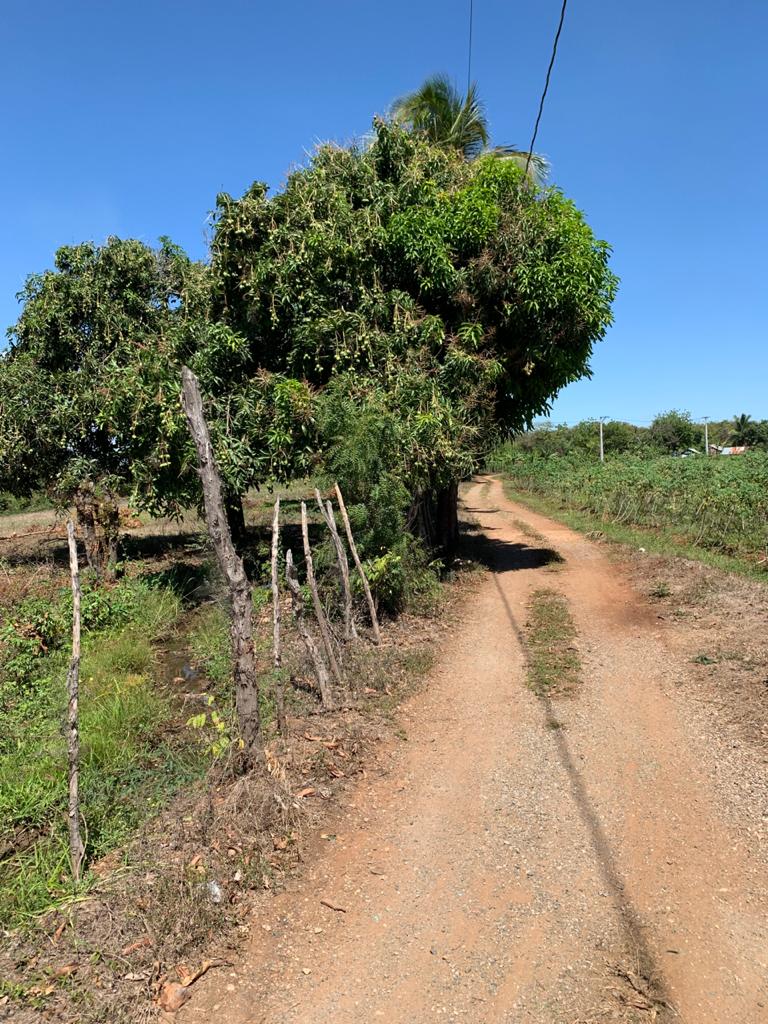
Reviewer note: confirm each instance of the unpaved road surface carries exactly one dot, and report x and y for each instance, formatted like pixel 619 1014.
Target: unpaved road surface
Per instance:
pixel 519 859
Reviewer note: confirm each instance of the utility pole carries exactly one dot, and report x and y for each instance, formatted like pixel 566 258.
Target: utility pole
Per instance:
pixel 602 449
pixel 706 434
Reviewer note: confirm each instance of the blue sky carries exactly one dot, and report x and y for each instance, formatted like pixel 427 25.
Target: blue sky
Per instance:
pixel 127 119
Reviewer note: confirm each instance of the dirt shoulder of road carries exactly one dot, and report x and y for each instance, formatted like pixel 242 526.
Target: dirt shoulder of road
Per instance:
pixel 531 857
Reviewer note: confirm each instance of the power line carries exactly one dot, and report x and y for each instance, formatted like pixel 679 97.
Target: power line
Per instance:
pixel 469 48
pixel 546 85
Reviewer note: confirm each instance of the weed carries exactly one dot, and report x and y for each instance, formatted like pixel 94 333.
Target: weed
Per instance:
pixel 553 661
pixel 128 763
pixel 704 659
pixel 660 590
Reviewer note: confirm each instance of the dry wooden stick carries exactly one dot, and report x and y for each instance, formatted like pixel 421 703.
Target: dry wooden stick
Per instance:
pixel 282 725
pixel 321 672
pixel 350 632
pixel 322 622
pixel 231 565
pixel 76 847
pixel 359 564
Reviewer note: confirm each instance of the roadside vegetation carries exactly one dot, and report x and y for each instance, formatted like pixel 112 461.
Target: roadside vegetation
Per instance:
pixel 716 507
pixel 132 759
pixel 372 328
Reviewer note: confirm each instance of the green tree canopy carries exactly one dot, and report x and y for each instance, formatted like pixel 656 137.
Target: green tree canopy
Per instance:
pixel 674 431
pixel 451 292
pixel 63 379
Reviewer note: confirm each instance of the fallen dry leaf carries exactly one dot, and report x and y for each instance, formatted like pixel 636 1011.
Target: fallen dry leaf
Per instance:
pixel 143 943
pixel 173 996
pixel 307 791
pixel 65 970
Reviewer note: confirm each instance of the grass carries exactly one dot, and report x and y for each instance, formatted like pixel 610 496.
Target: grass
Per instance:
pixel 131 759
pixel 658 540
pixel 554 665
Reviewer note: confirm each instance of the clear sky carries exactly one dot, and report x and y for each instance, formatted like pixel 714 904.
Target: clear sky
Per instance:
pixel 128 118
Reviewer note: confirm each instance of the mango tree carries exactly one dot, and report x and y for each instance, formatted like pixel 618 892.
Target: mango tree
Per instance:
pixel 442 302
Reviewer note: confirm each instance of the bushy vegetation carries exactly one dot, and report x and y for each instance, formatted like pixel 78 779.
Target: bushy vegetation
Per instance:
pixel 720 503
pixel 128 762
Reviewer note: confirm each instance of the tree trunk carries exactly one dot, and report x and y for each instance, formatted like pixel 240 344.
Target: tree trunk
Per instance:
pixel 233 506
pixel 98 517
pixel 231 565
pixel 76 847
pixel 434 517
pixel 447 518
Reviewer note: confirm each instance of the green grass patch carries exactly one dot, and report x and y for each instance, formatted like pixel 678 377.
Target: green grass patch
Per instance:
pixel 554 665
pixel 131 760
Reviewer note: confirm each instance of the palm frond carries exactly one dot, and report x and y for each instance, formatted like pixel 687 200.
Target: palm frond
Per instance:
pixel 447 118
pixel 439 112
pixel 538 165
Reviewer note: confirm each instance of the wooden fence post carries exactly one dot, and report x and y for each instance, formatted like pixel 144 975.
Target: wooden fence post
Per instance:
pixel 322 622
pixel 350 632
pixel 321 672
pixel 359 564
pixel 282 725
pixel 231 565
pixel 76 847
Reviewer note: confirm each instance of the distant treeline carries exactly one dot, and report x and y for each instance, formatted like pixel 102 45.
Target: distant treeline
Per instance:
pixel 670 433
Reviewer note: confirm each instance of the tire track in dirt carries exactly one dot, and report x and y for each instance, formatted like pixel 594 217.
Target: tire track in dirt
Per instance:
pixel 496 869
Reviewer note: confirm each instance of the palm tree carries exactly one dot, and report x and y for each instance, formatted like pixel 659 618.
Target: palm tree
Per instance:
pixel 439 112
pixel 743 429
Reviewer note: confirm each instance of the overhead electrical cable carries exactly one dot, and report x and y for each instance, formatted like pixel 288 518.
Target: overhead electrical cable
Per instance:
pixel 546 85
pixel 469 48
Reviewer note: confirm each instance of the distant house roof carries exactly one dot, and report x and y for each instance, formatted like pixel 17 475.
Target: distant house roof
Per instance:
pixel 738 449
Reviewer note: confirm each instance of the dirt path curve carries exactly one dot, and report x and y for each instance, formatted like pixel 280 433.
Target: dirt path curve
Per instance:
pixel 519 860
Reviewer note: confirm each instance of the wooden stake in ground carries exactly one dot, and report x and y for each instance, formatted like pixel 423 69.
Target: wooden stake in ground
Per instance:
pixel 359 564
pixel 231 565
pixel 350 633
pixel 276 645
pixel 76 848
pixel 322 622
pixel 321 672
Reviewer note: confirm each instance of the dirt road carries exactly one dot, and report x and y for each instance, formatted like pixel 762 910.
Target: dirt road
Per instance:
pixel 519 859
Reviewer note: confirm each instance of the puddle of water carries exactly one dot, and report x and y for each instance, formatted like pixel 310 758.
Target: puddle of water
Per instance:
pixel 177 674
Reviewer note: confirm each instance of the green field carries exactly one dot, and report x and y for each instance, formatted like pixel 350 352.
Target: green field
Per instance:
pixel 719 504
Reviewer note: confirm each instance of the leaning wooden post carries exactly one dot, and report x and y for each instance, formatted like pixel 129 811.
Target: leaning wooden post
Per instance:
pixel 322 622
pixel 276 645
pixel 350 633
pixel 231 565
pixel 359 564
pixel 76 847
pixel 321 672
